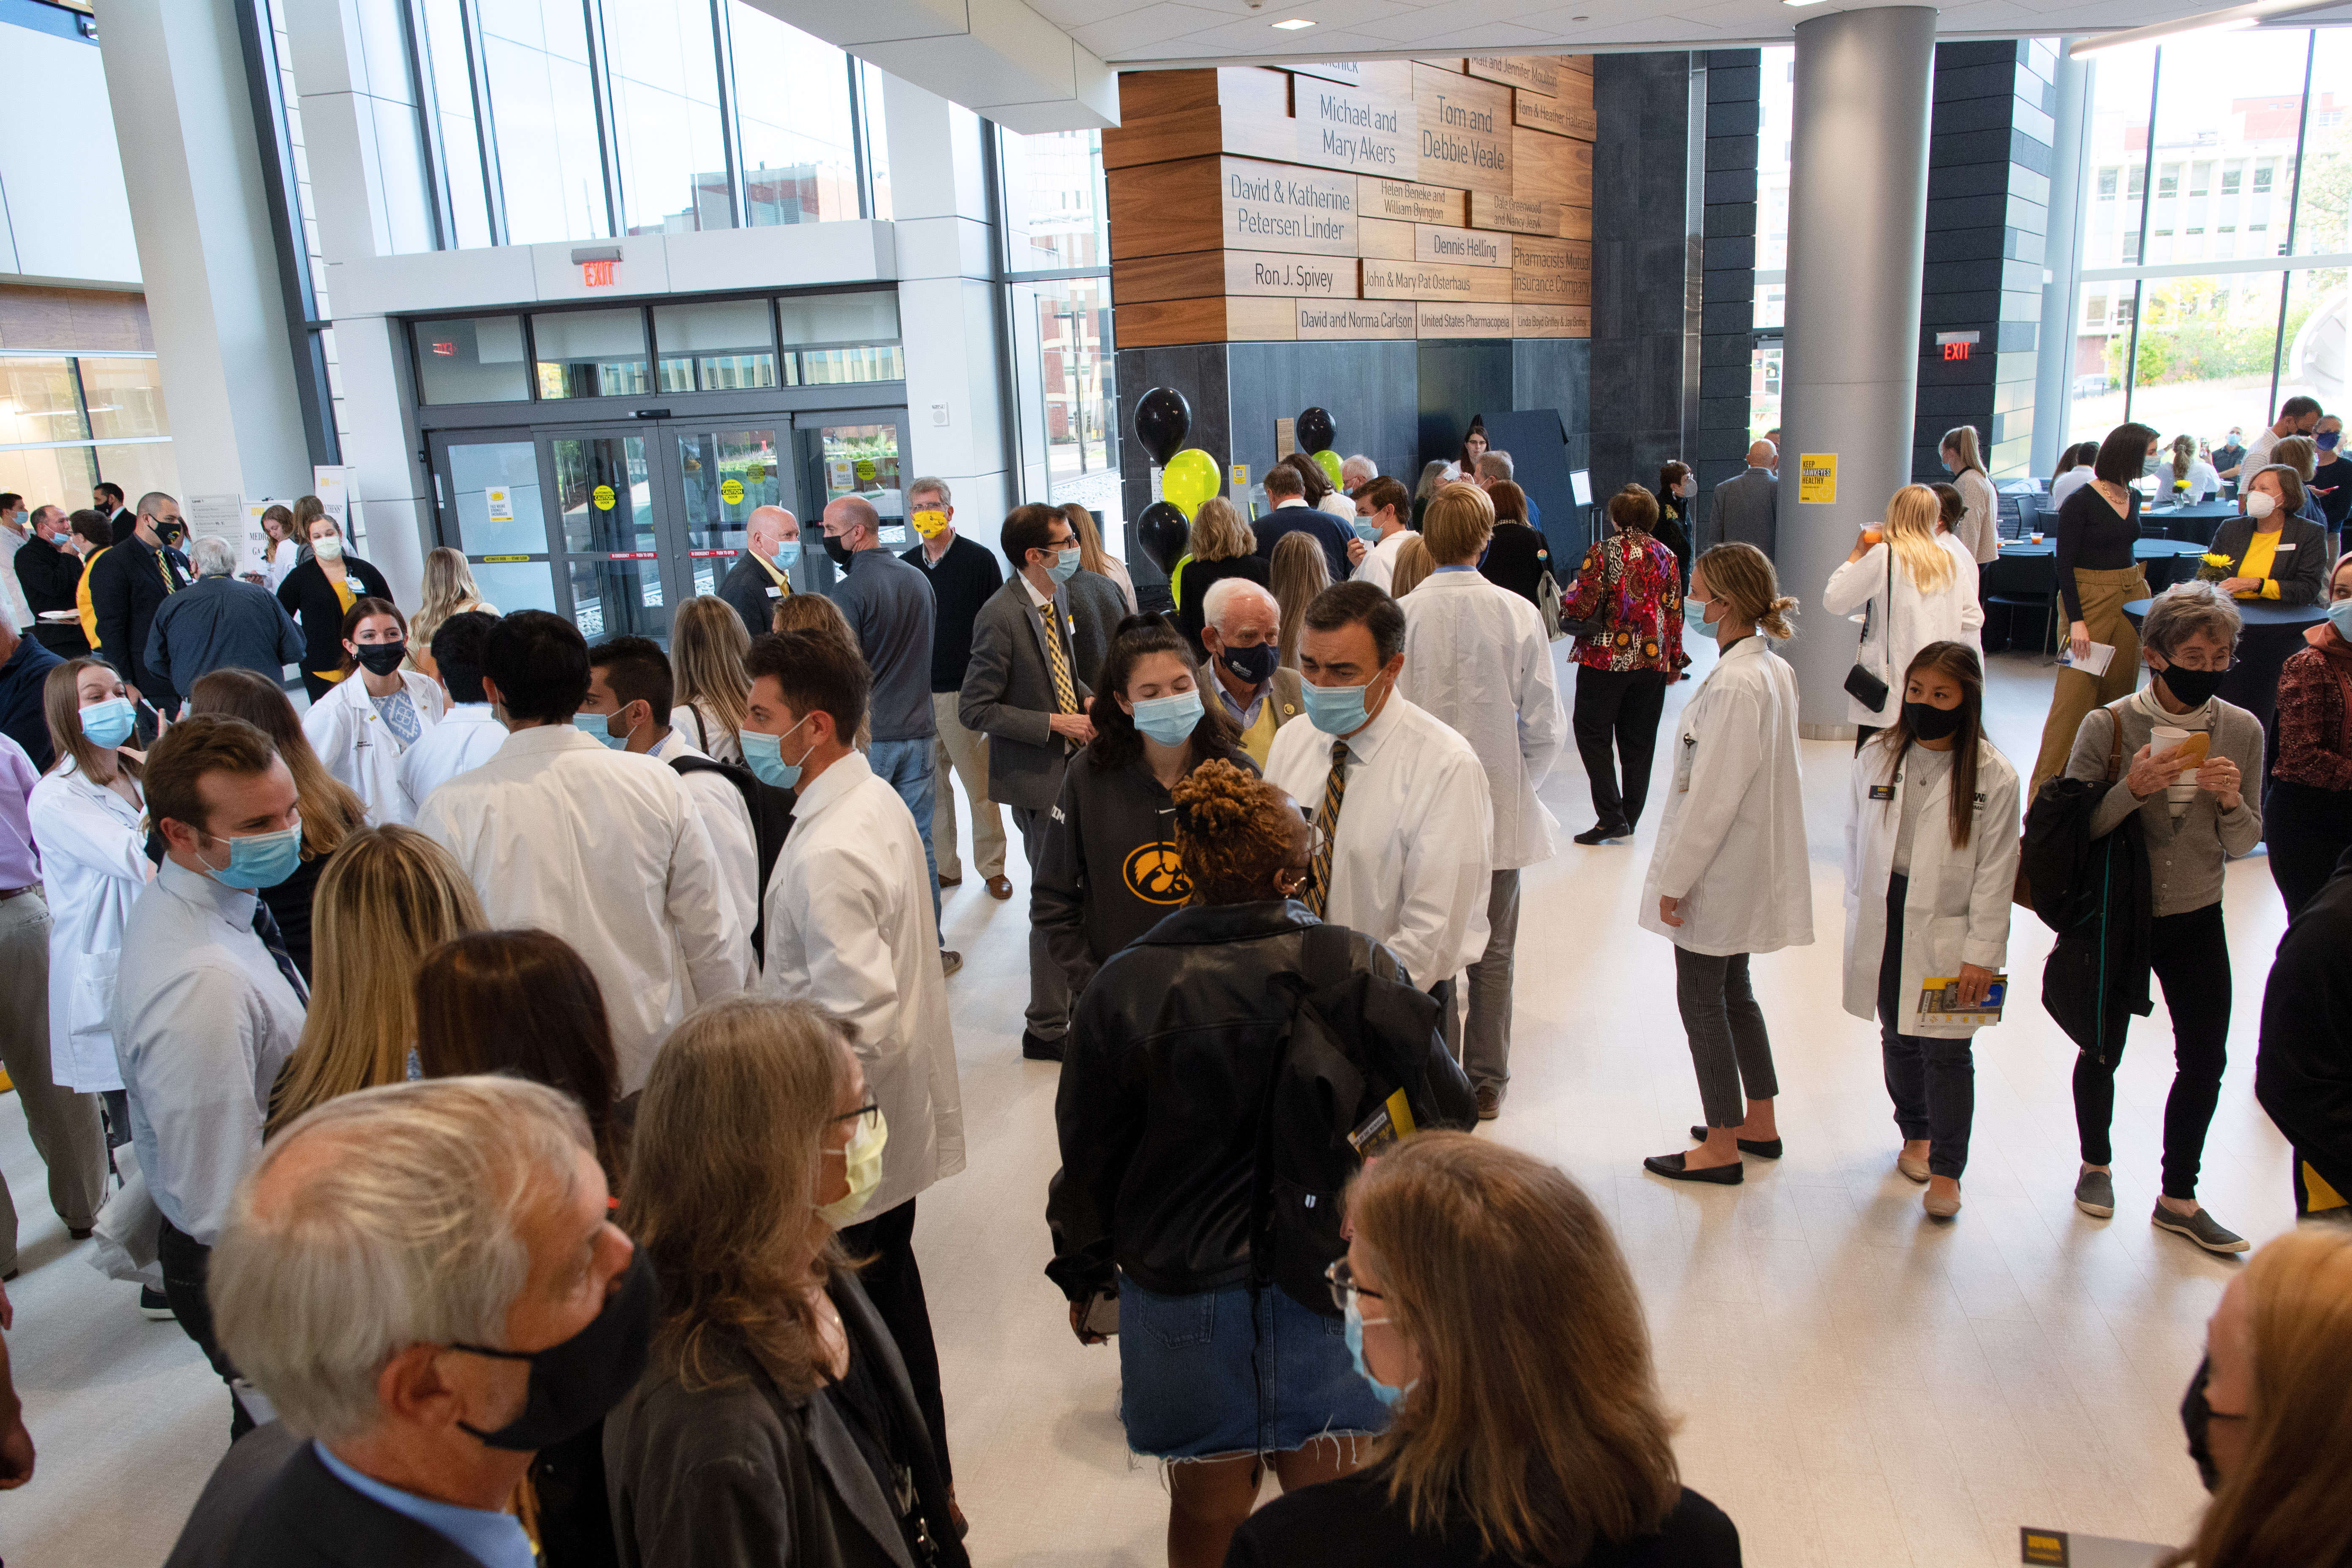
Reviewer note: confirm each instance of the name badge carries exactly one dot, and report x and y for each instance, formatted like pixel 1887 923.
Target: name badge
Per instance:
pixel 774 591
pixel 1882 791
pixel 2281 549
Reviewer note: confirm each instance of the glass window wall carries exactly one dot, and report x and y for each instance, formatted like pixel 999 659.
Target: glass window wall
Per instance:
pixel 666 120
pixel 589 354
pixel 471 360
pixel 1057 256
pixel 543 102
pixel 721 347
pixel 800 147
pixel 66 423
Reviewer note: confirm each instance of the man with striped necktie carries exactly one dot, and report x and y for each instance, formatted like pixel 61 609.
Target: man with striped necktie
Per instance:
pixel 1025 691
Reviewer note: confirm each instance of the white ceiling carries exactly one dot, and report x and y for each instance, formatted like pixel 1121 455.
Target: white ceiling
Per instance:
pixel 1138 33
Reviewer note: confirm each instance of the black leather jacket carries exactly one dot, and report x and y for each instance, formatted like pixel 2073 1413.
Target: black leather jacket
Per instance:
pixel 1171 1053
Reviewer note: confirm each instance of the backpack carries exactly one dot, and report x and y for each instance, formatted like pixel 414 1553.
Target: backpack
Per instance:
pixel 771 822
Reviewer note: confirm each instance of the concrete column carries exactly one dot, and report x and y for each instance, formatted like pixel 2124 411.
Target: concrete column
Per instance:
pixel 2053 368
pixel 184 118
pixel 1857 216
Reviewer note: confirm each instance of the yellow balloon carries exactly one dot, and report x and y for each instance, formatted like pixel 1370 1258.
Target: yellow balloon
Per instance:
pixel 1328 462
pixel 1190 478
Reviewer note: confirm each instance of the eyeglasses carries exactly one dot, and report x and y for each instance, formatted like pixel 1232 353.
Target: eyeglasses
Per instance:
pixel 1344 1288
pixel 868 1116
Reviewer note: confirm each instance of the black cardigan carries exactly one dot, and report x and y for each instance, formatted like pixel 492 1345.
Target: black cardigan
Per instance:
pixel 311 600
pixel 1516 557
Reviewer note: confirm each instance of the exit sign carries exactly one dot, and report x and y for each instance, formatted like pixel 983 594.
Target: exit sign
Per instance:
pixel 1956 345
pixel 1957 350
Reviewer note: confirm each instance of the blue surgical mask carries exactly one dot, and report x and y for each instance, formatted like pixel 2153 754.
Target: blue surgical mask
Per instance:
pixel 599 726
pixel 788 551
pixel 1169 719
pixel 1390 1397
pixel 1695 617
pixel 258 860
pixel 108 723
pixel 1336 709
pixel 1367 532
pixel 1064 566
pixel 764 756
pixel 2326 442
pixel 2339 615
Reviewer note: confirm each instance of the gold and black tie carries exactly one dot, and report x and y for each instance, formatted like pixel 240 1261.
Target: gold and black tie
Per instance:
pixel 1065 695
pixel 1326 824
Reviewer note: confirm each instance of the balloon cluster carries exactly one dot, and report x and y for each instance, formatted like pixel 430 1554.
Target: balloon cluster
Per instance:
pixel 1189 475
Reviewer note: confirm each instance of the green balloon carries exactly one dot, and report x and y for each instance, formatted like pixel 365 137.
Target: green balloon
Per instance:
pixel 1328 461
pixel 1190 479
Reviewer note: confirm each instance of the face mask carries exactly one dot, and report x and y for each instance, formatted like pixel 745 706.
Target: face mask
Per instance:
pixel 2196 1418
pixel 599 726
pixel 110 722
pixel 1255 664
pixel 1064 566
pixel 2193 687
pixel 930 522
pixel 2339 615
pixel 1169 719
pixel 2328 443
pixel 381 658
pixel 1929 722
pixel 573 1384
pixel 2260 504
pixel 327 549
pixel 1390 1397
pixel 835 549
pixel 865 1157
pixel 786 553
pixel 1337 710
pixel 764 756
pixel 1695 617
pixel 258 860
pixel 1367 532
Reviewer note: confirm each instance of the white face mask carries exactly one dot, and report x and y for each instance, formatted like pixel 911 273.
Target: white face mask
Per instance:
pixel 2260 504
pixel 328 549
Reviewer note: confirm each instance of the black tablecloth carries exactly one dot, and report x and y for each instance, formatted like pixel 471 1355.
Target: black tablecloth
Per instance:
pixel 2195 524
pixel 2027 570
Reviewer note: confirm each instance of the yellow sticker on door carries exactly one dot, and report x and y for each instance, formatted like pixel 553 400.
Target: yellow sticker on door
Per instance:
pixel 732 491
pixel 603 496
pixel 1817 478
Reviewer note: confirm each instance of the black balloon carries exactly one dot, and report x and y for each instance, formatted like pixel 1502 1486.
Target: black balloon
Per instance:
pixel 1163 420
pixel 1164 533
pixel 1314 431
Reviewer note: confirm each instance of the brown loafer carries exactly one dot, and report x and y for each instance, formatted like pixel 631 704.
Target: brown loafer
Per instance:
pixel 999 888
pixel 950 881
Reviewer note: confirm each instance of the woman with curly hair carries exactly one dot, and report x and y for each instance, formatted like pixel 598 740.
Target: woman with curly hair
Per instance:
pixel 1631 586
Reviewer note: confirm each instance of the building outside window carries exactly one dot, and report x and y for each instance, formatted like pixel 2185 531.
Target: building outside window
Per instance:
pixel 69 421
pixel 1777 92
pixel 1058 263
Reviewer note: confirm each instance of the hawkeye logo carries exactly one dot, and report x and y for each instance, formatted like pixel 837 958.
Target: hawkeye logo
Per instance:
pixel 1156 876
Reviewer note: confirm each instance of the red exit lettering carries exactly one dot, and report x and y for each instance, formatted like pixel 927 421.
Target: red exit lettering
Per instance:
pixel 1957 350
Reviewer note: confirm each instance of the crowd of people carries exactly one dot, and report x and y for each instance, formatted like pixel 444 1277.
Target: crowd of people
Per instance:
pixel 519 1070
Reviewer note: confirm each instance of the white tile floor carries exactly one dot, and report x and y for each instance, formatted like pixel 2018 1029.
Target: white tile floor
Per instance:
pixel 1857 1384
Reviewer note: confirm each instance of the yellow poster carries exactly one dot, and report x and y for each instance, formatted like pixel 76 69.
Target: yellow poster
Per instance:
pixel 603 496
pixel 730 491
pixel 1817 478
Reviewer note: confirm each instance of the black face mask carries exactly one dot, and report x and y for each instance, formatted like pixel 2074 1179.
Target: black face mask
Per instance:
pixel 382 658
pixel 2193 687
pixel 839 551
pixel 573 1384
pixel 1255 665
pixel 2196 1416
pixel 1928 722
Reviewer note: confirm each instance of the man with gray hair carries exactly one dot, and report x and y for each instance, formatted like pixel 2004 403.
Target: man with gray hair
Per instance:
pixel 1496 469
pixel 218 622
pixel 1357 472
pixel 963 577
pixel 424 1283
pixel 1240 628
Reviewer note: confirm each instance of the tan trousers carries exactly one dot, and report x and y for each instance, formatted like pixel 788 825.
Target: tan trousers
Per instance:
pixel 64 1124
pixel 2104 596
pixel 966 754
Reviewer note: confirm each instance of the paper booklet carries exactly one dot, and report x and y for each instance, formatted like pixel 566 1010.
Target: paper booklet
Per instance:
pixel 1939 999
pixel 2094 663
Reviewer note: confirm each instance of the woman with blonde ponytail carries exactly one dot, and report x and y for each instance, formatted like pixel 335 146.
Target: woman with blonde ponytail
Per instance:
pixel 1912 587
pixel 1979 525
pixel 1729 877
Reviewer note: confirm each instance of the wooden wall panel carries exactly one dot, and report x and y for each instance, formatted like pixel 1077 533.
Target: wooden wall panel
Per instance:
pixel 1547 168
pixel 1551 272
pixel 1199 275
pixel 1428 281
pixel 1505 211
pixel 1410 201
pixel 1530 73
pixel 1460 246
pixel 1239 109
pixel 1383 240
pixel 1569 114
pixel 1358 319
pixel 1158 323
pixel 1369 129
pixel 1465 131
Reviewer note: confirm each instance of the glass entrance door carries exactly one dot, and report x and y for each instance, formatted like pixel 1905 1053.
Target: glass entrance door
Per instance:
pixel 487 487
pixel 601 499
pixel 723 476
pixel 853 453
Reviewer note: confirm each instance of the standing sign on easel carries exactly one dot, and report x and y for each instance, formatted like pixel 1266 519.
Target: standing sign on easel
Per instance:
pixel 223 517
pixel 339 491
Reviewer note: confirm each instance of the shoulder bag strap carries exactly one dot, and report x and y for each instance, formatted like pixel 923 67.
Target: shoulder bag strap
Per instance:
pixel 2116 740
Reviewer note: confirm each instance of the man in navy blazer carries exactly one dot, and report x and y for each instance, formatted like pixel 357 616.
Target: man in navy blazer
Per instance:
pixel 1291 514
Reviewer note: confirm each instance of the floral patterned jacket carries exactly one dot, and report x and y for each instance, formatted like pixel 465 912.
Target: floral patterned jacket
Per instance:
pixel 1632 582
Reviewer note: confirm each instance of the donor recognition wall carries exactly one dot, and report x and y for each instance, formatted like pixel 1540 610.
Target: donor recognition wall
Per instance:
pixel 1442 198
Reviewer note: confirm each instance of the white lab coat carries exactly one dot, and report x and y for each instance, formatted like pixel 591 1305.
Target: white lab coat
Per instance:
pixel 606 851
pixel 467 735
pixel 1378 566
pixel 708 735
pixel 1894 637
pixel 850 928
pixel 359 748
pixel 1411 863
pixel 727 821
pixel 1956 907
pixel 1732 846
pixel 1476 658
pixel 93 867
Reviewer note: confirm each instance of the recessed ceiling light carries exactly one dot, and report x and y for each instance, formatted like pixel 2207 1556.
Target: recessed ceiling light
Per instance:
pixel 1800 2
pixel 1293 23
pixel 1579 19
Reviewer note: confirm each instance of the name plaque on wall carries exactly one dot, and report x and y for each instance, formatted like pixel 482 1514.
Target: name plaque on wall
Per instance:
pixel 1428 281
pixel 1410 202
pixel 1358 319
pixel 1462 247
pixel 1287 208
pixel 1534 73
pixel 1369 130
pixel 1489 210
pixel 1466 320
pixel 1465 130
pixel 1551 272
pixel 1302 276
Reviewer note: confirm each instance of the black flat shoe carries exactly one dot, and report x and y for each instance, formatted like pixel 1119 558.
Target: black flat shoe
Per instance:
pixel 1762 1148
pixel 1671 1167
pixel 1034 1048
pixel 1602 833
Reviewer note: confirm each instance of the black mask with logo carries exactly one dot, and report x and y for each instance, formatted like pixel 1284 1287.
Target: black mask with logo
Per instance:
pixel 1255 664
pixel 573 1384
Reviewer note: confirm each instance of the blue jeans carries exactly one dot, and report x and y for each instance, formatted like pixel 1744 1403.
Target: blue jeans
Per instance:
pixel 906 766
pixel 1217 1373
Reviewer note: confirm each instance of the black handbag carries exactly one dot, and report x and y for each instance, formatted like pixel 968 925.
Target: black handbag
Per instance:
pixel 1596 628
pixel 1860 684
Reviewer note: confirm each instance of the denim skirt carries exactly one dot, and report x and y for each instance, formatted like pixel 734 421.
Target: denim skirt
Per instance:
pixel 1208 1375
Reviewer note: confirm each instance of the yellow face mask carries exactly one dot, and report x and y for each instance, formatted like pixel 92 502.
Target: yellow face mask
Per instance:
pixel 929 522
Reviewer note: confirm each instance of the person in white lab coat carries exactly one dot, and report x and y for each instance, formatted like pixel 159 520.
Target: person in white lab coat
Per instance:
pixel 628 708
pixel 469 733
pixel 1476 660
pixel 1383 522
pixel 850 928
pixel 1407 823
pixel 1728 876
pixel 604 851
pixel 1931 846
pixel 85 815
pixel 364 723
pixel 1933 582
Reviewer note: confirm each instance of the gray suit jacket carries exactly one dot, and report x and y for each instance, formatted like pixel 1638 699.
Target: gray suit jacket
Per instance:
pixel 2298 564
pixel 1008 693
pixel 1744 512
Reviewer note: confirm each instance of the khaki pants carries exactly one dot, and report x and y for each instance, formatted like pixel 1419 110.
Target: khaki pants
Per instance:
pixel 966 753
pixel 2104 596
pixel 64 1125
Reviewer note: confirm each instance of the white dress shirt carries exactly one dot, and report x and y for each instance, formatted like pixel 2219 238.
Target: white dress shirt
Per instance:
pixel 606 851
pixel 359 748
pixel 468 735
pixel 1378 566
pixel 202 1021
pixel 727 821
pixel 1411 863
pixel 93 867
pixel 1732 846
pixel 2064 485
pixel 850 928
pixel 1476 658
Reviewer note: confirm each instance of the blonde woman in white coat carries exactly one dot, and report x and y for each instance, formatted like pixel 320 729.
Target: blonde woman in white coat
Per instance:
pixel 1729 877
pixel 85 815
pixel 365 720
pixel 1931 846
pixel 1934 597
